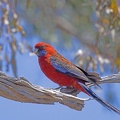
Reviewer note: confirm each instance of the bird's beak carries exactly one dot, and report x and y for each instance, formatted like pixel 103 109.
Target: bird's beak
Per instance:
pixel 35 51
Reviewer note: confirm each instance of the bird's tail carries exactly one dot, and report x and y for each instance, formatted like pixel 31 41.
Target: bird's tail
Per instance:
pixel 105 104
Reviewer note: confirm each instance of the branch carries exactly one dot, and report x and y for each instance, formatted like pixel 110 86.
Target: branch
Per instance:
pixel 114 78
pixel 20 89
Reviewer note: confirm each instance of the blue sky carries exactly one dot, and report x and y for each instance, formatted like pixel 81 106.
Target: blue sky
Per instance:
pixel 29 68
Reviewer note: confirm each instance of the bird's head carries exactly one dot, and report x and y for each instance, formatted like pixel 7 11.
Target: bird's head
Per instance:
pixel 41 49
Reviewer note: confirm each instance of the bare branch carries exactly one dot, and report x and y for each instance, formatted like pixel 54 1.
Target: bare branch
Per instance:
pixel 20 89
pixel 114 78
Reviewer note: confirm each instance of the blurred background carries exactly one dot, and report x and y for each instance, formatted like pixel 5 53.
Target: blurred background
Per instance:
pixel 87 32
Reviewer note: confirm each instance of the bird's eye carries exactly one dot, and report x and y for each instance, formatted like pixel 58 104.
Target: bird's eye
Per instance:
pixel 42 47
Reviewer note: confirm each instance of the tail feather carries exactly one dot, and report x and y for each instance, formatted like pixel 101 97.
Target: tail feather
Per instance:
pixel 97 98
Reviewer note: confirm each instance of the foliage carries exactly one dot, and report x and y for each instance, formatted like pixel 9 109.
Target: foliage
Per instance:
pixel 95 24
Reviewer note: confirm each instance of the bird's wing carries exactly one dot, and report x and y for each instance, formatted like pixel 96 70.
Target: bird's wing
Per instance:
pixel 62 65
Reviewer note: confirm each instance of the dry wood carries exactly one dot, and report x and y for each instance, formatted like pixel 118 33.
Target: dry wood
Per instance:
pixel 20 89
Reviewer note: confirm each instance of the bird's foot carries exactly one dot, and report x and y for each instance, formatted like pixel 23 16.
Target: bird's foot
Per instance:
pixel 58 88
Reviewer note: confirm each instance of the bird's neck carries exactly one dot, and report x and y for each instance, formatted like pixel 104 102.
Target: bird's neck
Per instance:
pixel 44 59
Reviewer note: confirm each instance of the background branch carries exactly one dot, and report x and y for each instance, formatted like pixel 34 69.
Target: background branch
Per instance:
pixel 20 89
pixel 114 78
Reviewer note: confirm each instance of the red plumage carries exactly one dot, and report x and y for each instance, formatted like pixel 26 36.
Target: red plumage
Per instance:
pixel 63 72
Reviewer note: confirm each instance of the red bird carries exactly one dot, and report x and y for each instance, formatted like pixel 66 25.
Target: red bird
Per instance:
pixel 64 73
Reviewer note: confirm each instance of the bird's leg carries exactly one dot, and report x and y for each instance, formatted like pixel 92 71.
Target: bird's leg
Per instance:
pixel 58 88
pixel 70 90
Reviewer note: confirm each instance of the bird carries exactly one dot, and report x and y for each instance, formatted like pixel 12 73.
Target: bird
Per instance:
pixel 63 72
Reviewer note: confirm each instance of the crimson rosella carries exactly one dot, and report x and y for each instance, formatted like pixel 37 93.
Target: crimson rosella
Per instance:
pixel 64 73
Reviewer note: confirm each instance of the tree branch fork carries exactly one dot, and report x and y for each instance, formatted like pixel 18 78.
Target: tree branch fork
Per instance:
pixel 20 89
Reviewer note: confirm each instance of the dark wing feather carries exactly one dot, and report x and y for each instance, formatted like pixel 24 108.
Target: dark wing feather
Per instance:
pixel 91 75
pixel 66 67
